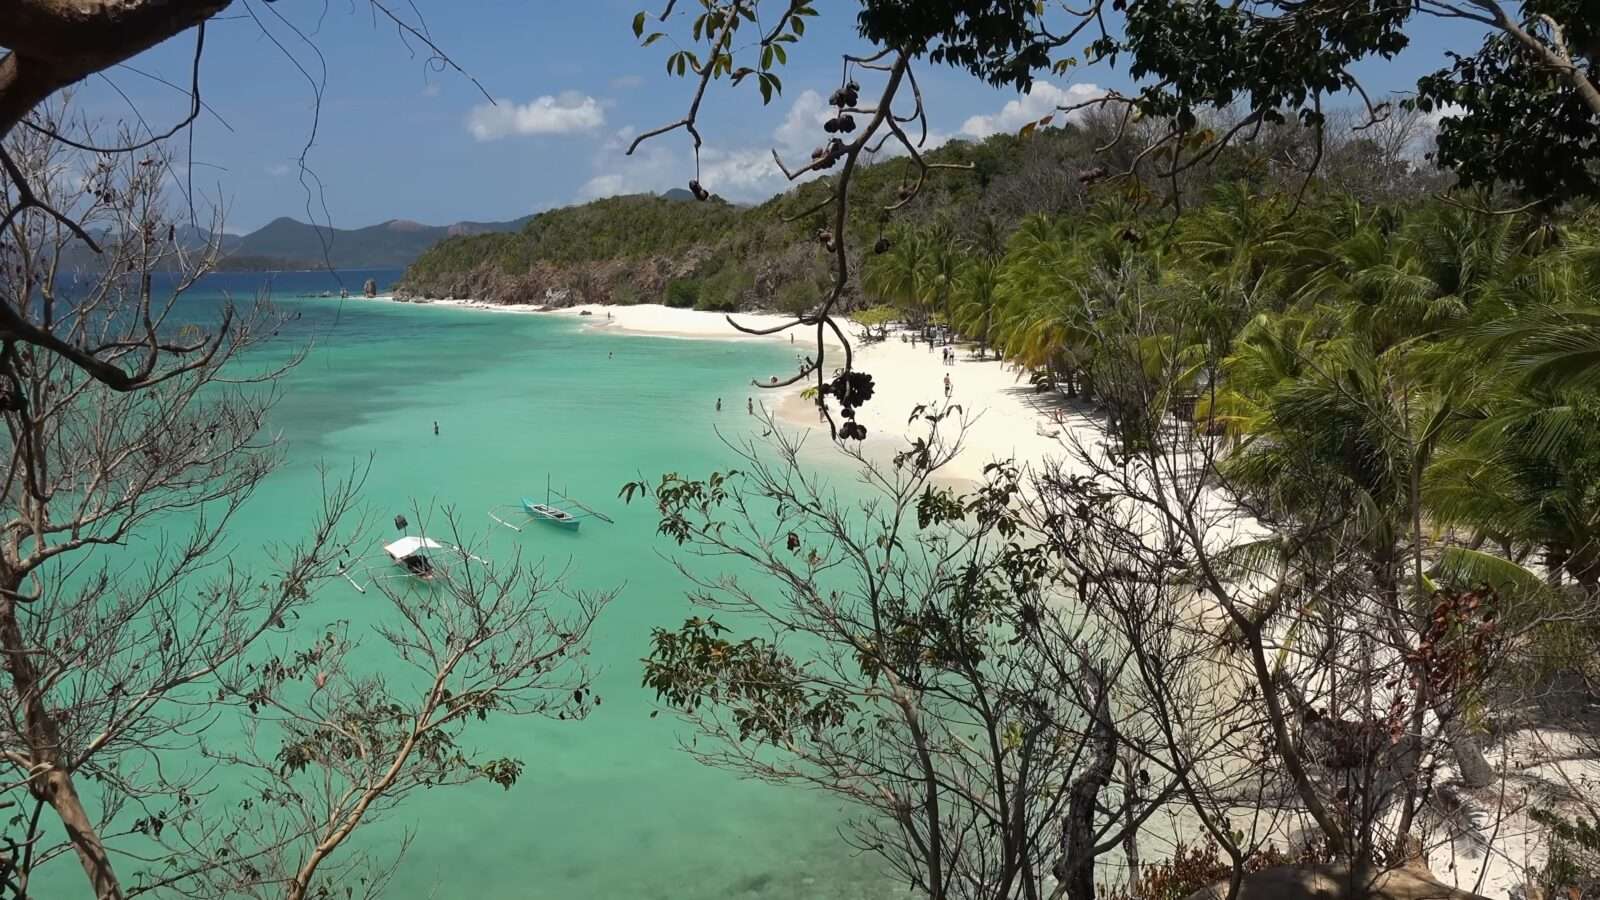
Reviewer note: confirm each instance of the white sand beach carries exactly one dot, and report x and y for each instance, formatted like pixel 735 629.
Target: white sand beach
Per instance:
pixel 1009 419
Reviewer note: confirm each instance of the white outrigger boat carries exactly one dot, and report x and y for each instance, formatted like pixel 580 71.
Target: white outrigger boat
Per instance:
pixel 567 516
pixel 417 556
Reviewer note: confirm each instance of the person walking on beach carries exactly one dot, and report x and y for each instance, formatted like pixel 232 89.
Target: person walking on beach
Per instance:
pixel 947 387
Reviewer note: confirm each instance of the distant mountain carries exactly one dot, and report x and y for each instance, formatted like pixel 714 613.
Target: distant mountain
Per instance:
pixel 289 244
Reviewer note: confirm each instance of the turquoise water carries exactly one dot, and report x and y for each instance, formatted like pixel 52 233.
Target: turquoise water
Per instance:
pixel 609 807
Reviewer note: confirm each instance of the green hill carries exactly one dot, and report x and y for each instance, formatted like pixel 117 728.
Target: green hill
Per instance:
pixel 716 255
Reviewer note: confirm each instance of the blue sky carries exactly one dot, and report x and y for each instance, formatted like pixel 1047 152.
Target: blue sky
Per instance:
pixel 397 139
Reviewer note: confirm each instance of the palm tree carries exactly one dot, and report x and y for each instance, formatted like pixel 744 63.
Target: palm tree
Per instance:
pixel 940 268
pixel 897 277
pixel 976 300
pixel 1041 322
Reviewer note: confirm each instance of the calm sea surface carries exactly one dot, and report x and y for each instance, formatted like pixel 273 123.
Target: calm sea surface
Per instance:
pixel 609 807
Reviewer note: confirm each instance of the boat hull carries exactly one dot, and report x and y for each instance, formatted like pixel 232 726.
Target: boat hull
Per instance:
pixel 550 514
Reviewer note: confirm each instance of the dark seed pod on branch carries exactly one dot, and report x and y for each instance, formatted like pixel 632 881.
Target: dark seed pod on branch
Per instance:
pixel 882 246
pixel 847 124
pixel 699 192
pixel 831 126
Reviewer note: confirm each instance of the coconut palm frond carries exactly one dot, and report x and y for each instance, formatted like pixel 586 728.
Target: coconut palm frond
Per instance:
pixel 1463 567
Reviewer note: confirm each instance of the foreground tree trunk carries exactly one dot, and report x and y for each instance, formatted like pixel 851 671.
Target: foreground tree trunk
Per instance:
pixel 57 43
pixel 1077 861
pixel 49 782
pixel 1475 769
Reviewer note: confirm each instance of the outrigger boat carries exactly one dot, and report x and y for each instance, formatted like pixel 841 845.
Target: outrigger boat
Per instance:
pixel 418 556
pixel 567 515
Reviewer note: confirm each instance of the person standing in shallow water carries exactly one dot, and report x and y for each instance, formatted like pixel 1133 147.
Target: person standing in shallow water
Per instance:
pixel 435 427
pixel 750 405
pixel 719 404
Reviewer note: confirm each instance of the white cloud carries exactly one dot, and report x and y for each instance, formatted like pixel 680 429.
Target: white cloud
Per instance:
pixel 653 168
pixel 278 170
pixel 1423 139
pixel 744 174
pixel 893 149
pixel 568 113
pixel 611 185
pixel 626 82
pixel 1044 99
pixel 749 174
pixel 1442 112
pixel 802 127
pixel 431 89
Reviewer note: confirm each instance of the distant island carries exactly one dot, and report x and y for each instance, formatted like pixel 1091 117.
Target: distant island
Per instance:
pixel 286 244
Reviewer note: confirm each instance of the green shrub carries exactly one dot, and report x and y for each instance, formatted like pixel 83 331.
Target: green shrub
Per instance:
pixel 799 297
pixel 683 293
pixel 625 294
pixel 1573 866
pixel 723 291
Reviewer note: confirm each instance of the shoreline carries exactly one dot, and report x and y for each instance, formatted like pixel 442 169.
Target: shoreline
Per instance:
pixel 1006 418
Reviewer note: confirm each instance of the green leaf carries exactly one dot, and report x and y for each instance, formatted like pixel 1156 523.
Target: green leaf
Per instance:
pixel 778 51
pixel 638 25
pixel 656 36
